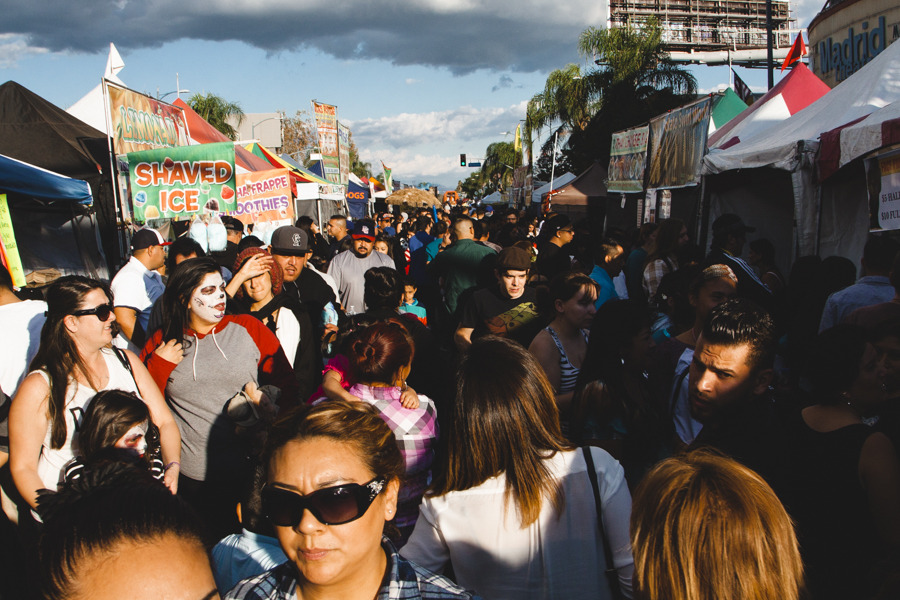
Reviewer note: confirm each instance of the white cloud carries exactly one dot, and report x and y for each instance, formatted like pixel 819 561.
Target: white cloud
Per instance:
pixel 15 47
pixel 411 81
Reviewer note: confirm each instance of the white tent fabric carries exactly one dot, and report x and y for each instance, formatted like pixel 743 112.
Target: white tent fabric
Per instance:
pixel 495 198
pixel 91 108
pixel 875 131
pixel 874 86
pixel 557 182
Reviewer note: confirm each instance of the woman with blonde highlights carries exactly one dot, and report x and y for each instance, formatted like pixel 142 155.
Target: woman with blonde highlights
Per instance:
pixel 705 527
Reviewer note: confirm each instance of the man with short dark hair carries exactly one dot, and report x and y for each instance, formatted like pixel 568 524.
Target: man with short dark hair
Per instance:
pixel 609 259
pixel 506 309
pixel 461 265
pixel 337 232
pixel 557 233
pixel 728 385
pixel 290 249
pixel 349 267
pixel 877 317
pixel 874 287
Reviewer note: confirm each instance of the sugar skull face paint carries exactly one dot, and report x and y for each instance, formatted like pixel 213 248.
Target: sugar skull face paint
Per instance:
pixel 135 439
pixel 208 300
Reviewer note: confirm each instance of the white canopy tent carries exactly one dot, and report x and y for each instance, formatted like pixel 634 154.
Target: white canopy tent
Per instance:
pixel 557 183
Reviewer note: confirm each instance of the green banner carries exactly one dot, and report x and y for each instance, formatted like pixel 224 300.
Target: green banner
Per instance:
pixel 176 182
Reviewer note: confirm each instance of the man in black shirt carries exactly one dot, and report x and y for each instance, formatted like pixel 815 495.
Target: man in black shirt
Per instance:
pixel 507 309
pixel 290 247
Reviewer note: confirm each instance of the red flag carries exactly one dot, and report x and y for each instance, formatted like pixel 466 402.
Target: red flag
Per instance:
pixel 797 50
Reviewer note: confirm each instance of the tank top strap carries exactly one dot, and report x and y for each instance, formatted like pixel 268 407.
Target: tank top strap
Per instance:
pixel 556 341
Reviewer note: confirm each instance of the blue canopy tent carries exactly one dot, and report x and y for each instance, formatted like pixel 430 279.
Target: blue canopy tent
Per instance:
pixel 54 224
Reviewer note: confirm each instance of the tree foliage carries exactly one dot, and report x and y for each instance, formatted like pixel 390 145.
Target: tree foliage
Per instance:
pixel 298 137
pixel 216 110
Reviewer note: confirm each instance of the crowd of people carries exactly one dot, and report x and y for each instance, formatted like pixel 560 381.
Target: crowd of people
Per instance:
pixel 455 402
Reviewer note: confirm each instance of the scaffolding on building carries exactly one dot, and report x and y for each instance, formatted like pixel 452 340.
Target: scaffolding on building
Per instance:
pixel 711 31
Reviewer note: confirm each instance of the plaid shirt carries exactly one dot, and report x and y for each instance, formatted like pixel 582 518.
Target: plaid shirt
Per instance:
pixel 406 581
pixel 416 432
pixel 655 271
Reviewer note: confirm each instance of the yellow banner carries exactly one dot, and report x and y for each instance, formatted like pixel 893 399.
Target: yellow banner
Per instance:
pixel 11 259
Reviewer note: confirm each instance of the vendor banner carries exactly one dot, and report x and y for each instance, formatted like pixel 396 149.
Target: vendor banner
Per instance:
pixel 884 190
pixel 177 182
pixel 263 196
pixel 327 131
pixel 678 144
pixel 627 160
pixel 139 122
pixel 344 152
pixel 8 248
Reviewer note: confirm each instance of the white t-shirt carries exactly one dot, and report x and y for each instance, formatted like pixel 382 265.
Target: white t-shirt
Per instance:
pixel 557 556
pixel 287 330
pixel 21 324
pixel 136 287
pixel 51 465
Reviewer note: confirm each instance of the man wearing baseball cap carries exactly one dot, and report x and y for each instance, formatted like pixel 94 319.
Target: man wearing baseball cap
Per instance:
pixel 137 286
pixel 234 229
pixel 349 267
pixel 729 234
pixel 507 309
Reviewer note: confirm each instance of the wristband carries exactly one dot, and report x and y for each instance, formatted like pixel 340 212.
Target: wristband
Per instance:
pixel 170 465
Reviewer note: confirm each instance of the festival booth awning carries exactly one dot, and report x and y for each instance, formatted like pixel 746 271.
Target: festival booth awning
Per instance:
pixel 590 184
pixel 202 132
pixel 726 106
pixel 538 193
pixel 66 236
pixel 357 197
pixel 853 140
pixel 30 182
pixel 770 179
pixel 796 90
pixel 495 198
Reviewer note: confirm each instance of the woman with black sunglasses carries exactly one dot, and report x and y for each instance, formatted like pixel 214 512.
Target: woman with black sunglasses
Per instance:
pixel 73 363
pixel 333 478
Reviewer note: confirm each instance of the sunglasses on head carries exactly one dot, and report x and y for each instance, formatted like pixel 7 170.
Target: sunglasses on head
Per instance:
pixel 330 506
pixel 102 312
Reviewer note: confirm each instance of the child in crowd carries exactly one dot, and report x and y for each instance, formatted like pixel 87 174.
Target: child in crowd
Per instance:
pixel 410 304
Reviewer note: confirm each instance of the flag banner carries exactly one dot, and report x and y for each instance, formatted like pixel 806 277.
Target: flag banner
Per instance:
pixel 883 176
pixel 139 122
pixel 344 152
pixel 11 259
pixel 678 144
pixel 264 196
pixel 388 180
pixel 327 131
pixel 518 142
pixel 177 182
pixel 627 160
pixel 742 89
pixel 798 50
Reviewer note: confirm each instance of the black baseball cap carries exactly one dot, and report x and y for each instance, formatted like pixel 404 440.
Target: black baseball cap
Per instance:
pixel 289 241
pixel 364 228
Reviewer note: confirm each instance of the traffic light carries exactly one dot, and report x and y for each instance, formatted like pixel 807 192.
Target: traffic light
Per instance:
pixel 462 160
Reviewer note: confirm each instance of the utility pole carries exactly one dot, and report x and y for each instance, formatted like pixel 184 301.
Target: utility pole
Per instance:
pixel 770 67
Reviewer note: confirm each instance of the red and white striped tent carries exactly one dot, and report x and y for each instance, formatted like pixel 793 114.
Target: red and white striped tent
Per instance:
pixel 841 145
pixel 797 90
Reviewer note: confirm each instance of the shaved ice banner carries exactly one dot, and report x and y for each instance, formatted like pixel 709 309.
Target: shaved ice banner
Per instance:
pixel 177 182
pixel 327 130
pixel 264 196
pixel 140 122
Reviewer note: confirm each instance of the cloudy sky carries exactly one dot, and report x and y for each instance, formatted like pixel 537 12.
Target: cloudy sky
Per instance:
pixel 419 81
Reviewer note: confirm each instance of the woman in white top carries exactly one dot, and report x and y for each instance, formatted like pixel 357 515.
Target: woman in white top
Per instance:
pixel 512 506
pixel 73 363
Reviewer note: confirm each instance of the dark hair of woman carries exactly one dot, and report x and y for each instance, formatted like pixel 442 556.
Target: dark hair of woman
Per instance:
pixel 389 240
pixel 666 239
pixel 119 503
pixel 833 363
pixel 57 354
pixel 108 417
pixel 617 323
pixel 356 424
pixel 383 288
pixel 563 288
pixel 176 299
pixel 504 420
pixel 379 351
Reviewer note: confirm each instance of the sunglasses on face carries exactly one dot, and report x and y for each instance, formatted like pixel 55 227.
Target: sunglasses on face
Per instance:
pixel 330 506
pixel 102 312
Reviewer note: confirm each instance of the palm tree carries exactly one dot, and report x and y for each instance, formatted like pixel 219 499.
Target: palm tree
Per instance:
pixel 497 167
pixel 216 110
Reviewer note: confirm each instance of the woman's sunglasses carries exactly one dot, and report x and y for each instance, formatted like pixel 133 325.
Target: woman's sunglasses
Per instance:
pixel 102 312
pixel 330 506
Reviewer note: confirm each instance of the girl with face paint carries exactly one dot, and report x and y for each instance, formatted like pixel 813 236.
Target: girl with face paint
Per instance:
pixel 206 360
pixel 117 428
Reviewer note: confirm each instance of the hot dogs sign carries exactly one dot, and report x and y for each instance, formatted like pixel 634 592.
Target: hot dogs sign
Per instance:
pixel 177 182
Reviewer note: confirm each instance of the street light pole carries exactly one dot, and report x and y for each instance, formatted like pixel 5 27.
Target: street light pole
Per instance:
pixel 770 66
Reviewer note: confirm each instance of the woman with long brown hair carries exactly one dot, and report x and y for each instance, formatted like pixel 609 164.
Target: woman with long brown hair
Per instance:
pixel 73 363
pixel 512 506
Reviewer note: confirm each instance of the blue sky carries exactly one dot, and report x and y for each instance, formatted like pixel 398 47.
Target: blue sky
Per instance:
pixel 419 81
